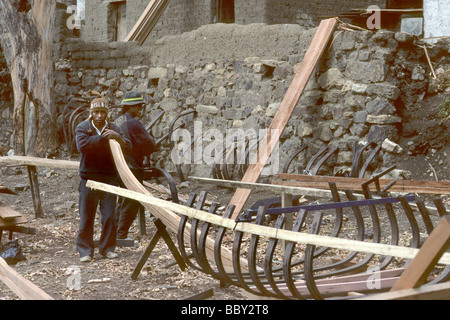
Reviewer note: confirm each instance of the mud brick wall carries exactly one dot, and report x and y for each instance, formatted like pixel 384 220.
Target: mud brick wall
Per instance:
pixel 354 97
pixel 182 16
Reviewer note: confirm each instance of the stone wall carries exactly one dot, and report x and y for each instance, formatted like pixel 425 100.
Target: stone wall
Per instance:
pixel 355 95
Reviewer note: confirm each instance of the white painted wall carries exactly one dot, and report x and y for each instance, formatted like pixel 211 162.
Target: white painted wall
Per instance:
pixel 436 18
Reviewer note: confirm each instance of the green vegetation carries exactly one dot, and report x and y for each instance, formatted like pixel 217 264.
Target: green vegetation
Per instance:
pixel 444 110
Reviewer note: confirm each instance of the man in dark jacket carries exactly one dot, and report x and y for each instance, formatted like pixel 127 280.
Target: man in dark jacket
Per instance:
pixel 143 145
pixel 92 138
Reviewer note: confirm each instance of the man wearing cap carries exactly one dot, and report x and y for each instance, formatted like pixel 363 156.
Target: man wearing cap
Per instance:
pixel 143 145
pixel 92 139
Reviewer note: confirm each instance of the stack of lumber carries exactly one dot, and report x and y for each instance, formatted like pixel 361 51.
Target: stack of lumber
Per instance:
pixel 147 21
pixel 10 217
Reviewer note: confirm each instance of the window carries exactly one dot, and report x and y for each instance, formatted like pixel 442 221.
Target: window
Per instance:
pixel 225 11
pixel 119 20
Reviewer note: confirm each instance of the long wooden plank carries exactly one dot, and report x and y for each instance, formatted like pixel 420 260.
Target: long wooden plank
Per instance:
pixel 343 284
pixel 356 186
pixel 406 183
pixel 440 291
pixel 420 267
pixel 287 106
pixel 265 187
pixel 39 162
pixel 264 231
pixel 23 288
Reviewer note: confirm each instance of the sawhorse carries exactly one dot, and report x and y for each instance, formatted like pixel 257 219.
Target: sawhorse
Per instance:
pixel 160 233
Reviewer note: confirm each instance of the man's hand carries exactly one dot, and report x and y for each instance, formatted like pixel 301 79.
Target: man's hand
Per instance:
pixel 111 134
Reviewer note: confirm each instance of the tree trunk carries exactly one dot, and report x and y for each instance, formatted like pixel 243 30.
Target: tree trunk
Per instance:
pixel 26 36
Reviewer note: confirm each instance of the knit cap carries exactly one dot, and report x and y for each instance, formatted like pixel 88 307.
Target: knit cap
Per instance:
pixel 99 104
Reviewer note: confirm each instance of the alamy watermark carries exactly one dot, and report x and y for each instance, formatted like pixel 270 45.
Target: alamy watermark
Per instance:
pixel 73 282
pixel 373 282
pixel 74 21
pixel 235 146
pixel 374 21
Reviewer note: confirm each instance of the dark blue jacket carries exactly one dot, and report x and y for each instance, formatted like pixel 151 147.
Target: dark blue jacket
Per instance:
pixel 142 142
pixel 96 159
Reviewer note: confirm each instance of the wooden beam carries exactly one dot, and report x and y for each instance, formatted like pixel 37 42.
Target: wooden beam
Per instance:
pixel 420 267
pixel 265 187
pixel 287 106
pixel 440 291
pixel 39 162
pixel 357 186
pixel 416 186
pixel 147 21
pixel 264 231
pixel 22 287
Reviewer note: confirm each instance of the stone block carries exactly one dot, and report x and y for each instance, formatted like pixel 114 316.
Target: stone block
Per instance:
pixel 157 72
pixel 383 119
pixel 333 78
pixel 207 109
pixel 272 109
pixel 391 147
pixel 360 117
pixel 378 133
pixel 380 106
pixel 385 90
pixel 366 71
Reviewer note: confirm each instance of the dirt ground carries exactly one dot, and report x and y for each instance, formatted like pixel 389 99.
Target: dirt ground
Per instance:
pixel 52 261
pixel 51 257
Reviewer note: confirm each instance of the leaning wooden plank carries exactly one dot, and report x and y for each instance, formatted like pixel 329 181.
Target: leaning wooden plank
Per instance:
pixel 147 21
pixel 264 231
pixel 22 287
pixel 420 267
pixel 440 291
pixel 287 106
pixel 169 218
pixel 39 162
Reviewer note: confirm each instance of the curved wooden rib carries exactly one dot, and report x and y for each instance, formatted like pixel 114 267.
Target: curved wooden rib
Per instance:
pixel 170 219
